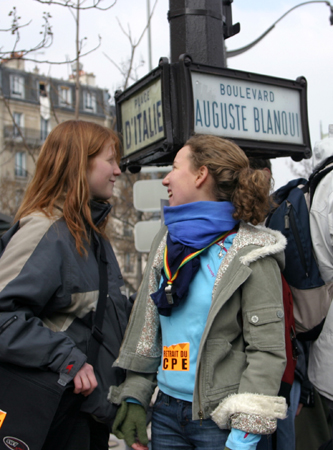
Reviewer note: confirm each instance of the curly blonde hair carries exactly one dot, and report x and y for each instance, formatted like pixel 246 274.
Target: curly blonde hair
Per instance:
pixel 235 181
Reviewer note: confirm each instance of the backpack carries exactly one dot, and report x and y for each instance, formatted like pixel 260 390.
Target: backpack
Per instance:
pixel 291 217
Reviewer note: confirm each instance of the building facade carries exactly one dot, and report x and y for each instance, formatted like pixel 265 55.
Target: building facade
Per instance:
pixel 31 105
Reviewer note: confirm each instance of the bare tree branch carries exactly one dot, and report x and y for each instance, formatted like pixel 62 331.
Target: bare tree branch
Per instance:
pixel 46 41
pixel 15 25
pixel 71 4
pixel 68 61
pixel 127 70
pixel 113 62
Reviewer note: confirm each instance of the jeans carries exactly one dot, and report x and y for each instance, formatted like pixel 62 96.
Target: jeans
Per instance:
pixel 173 427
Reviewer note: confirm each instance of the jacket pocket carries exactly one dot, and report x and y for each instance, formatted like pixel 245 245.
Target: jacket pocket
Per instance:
pixel 266 328
pixel 223 367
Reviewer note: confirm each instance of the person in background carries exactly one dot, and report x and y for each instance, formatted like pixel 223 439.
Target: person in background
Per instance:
pixel 306 422
pixel 284 436
pixel 321 226
pixel 265 165
pixel 207 325
pixel 50 281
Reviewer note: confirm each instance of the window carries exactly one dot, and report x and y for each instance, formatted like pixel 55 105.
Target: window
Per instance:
pixel 18 125
pixel 89 101
pixel 44 128
pixel 16 86
pixel 128 266
pixel 21 164
pixel 43 89
pixel 65 96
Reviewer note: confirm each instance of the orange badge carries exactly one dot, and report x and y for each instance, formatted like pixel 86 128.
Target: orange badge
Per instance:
pixel 177 357
pixel 3 415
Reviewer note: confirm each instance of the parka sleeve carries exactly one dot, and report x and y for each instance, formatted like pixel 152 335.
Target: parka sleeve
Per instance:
pixel 31 270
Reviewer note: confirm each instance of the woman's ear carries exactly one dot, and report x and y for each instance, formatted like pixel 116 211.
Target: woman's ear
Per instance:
pixel 202 176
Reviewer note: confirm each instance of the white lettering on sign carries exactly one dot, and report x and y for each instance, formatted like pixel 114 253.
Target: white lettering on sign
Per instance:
pixel 142 118
pixel 246 109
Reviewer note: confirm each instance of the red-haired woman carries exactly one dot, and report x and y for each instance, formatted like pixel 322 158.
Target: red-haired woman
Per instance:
pixel 50 281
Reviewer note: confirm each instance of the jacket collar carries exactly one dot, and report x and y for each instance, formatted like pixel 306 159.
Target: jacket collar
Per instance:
pixel 99 211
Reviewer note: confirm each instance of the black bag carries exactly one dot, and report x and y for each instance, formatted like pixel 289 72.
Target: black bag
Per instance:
pixel 33 396
pixel 29 397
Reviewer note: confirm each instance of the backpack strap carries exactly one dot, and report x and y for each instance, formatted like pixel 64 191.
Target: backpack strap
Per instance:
pixel 96 338
pixel 318 174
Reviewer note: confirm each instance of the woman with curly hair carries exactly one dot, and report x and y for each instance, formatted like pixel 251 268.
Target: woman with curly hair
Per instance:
pixel 207 326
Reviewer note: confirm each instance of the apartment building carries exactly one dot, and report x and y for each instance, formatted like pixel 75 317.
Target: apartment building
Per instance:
pixel 31 104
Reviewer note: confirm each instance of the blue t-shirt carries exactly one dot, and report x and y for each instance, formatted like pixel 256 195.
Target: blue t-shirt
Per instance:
pixel 182 331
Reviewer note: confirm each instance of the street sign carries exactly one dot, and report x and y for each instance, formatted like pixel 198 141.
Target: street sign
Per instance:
pixel 147 195
pixel 266 116
pixel 245 109
pixel 144 233
pixel 142 118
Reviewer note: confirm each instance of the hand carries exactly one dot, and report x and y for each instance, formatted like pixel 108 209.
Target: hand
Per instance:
pixel 129 424
pixel 85 381
pixel 138 446
pixel 299 408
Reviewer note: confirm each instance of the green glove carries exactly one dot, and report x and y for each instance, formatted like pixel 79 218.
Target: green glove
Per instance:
pixel 130 423
pixel 119 419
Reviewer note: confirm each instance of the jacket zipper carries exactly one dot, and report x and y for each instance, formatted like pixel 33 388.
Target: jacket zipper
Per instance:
pixel 7 324
pixel 200 413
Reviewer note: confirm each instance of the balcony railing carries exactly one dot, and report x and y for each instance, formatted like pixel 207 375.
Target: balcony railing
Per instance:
pixel 20 172
pixel 31 136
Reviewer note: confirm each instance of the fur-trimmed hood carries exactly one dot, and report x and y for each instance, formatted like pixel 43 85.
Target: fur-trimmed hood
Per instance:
pixel 270 242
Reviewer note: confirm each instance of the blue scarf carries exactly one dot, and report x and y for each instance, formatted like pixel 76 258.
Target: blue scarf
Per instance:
pixel 191 227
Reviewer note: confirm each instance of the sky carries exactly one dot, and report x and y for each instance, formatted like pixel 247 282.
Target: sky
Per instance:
pixel 301 44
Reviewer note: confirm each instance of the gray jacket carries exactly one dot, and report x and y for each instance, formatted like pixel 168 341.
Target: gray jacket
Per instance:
pixel 321 223
pixel 48 296
pixel 241 356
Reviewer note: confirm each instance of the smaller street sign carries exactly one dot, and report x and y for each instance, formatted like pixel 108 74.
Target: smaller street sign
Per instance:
pixel 147 195
pixel 144 233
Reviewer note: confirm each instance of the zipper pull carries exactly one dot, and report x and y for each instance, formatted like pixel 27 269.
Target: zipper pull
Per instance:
pixel 286 219
pixel 286 222
pixel 200 417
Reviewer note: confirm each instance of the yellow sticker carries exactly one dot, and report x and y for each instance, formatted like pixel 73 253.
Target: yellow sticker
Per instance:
pixel 3 415
pixel 177 357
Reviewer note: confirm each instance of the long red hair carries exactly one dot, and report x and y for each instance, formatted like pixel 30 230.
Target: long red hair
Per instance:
pixel 61 175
